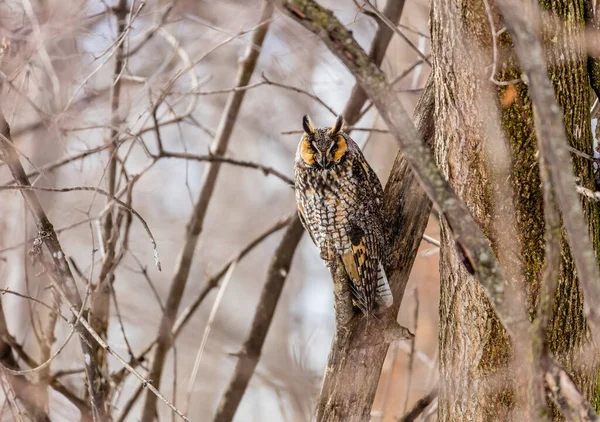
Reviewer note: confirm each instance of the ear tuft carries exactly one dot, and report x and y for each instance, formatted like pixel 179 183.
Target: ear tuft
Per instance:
pixel 307 125
pixel 337 126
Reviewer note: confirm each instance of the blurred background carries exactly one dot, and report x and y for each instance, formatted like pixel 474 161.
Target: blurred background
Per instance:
pixel 57 63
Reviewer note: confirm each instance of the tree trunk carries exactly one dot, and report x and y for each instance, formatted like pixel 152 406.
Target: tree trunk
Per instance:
pixel 476 121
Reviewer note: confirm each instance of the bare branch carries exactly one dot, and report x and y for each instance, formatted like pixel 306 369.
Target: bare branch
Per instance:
pixel 23 389
pixel 538 409
pixel 419 407
pixel 213 281
pixel 250 354
pixel 566 395
pixel 29 188
pixel 48 237
pixel 220 159
pixel 100 308
pixel 394 27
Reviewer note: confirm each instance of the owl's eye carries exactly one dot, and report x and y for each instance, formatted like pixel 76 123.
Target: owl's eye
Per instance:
pixel 307 151
pixel 339 148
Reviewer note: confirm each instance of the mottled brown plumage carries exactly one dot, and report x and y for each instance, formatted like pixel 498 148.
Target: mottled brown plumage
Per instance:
pixel 339 201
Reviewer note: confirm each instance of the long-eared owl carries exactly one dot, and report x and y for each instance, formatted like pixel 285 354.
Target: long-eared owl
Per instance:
pixel 340 203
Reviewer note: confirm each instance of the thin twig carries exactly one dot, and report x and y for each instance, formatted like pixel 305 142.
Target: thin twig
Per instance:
pixel 210 158
pixel 100 309
pixel 419 407
pixel 395 28
pixel 25 188
pixel 411 356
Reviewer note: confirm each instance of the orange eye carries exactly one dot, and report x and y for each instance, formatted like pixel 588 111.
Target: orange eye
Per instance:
pixel 306 151
pixel 340 148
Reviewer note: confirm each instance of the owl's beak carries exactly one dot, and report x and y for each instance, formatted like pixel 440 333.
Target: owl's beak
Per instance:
pixel 323 161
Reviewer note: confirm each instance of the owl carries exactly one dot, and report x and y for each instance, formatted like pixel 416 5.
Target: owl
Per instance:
pixel 340 203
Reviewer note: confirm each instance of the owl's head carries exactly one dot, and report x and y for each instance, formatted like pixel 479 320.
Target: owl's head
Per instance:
pixel 322 147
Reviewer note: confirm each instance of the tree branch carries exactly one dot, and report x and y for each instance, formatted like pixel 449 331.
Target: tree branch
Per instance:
pixel 381 41
pixel 250 354
pixel 24 390
pixel 47 236
pixel 100 299
pixel 419 407
pixel 538 409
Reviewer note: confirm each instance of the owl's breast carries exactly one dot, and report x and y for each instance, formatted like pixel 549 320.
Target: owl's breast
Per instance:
pixel 329 202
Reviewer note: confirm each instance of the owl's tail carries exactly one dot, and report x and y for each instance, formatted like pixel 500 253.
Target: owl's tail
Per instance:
pixel 384 293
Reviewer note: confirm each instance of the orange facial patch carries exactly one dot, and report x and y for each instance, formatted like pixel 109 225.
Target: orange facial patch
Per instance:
pixel 342 146
pixel 306 152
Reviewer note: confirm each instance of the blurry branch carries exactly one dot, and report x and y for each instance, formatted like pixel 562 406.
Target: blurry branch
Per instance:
pixel 265 81
pixel 248 356
pixel 164 154
pixel 565 394
pixel 41 113
pixel 194 228
pixel 189 68
pixel 401 77
pixel 6 340
pixel 588 193
pixel 108 53
pixel 538 342
pixel 470 240
pixel 213 281
pixel 47 236
pixel 220 159
pixel 300 91
pixel 431 240
pixel 79 104
pixel 152 32
pixel 419 407
pixel 100 303
pixel 24 390
pixel 394 26
pixel 583 154
pixel 552 143
pixel 413 344
pixel 494 34
pixel 29 188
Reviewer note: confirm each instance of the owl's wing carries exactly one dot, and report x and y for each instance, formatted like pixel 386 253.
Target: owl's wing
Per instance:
pixel 362 267
pixel 304 222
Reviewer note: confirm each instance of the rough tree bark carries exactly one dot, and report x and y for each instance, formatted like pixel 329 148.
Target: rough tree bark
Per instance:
pixel 472 341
